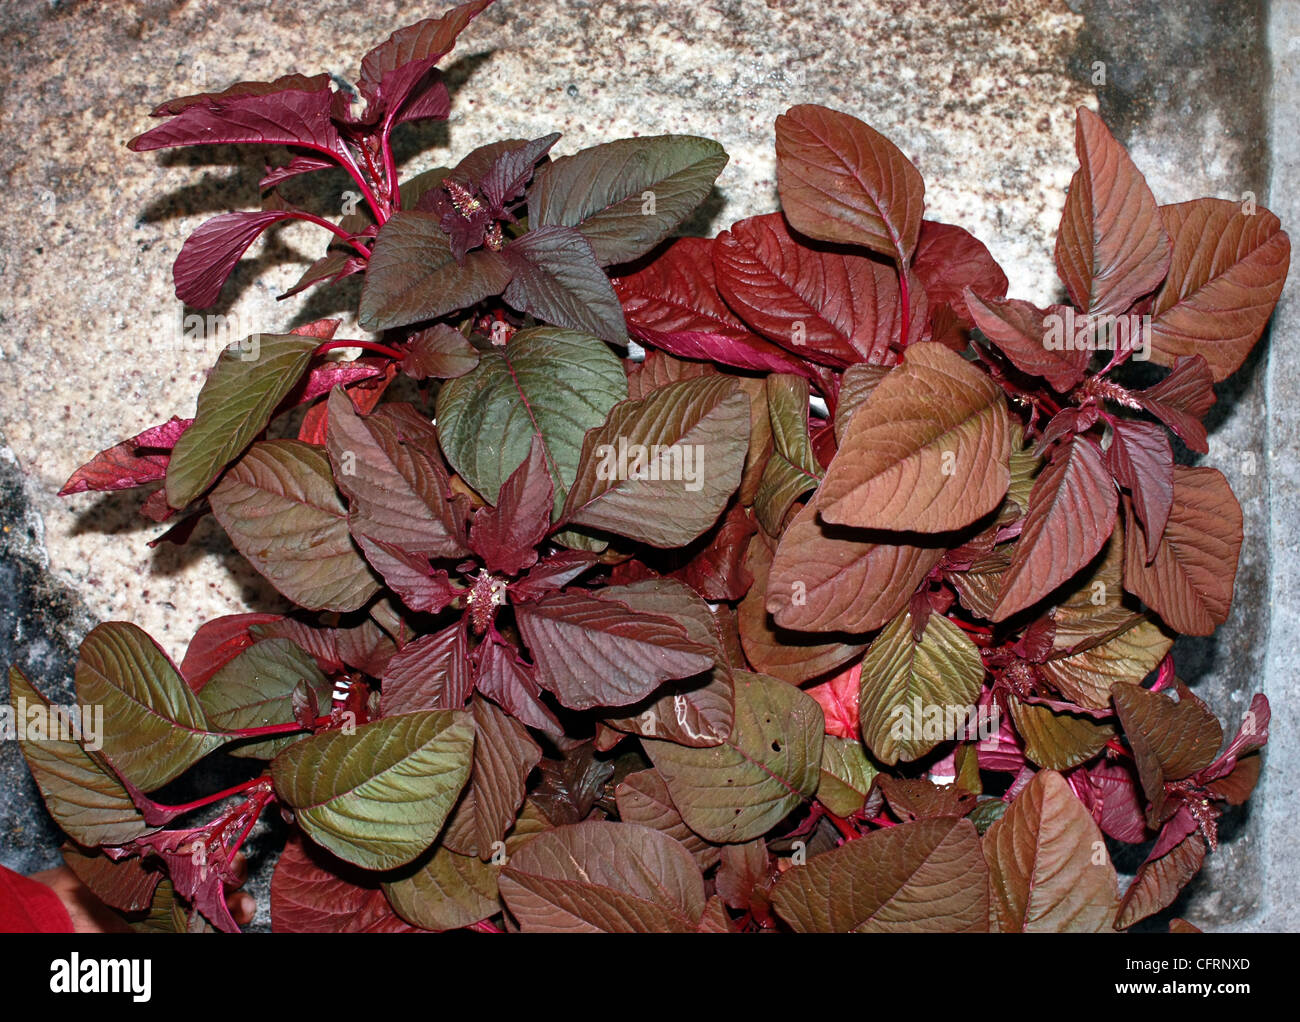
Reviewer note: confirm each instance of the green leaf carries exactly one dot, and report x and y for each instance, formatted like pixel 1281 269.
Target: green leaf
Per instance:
pixel 1055 740
pixel 846 775
pixel 1048 866
pixel 661 469
pixel 235 405
pixel 255 689
pixel 279 506
pixel 625 196
pixel 770 763
pixel 558 383
pixel 85 799
pixel 154 726
pixel 413 276
pixel 600 877
pixel 792 470
pixel 922 877
pixel 379 797
pixel 1089 676
pixel 447 892
pixel 557 279
pixel 915 694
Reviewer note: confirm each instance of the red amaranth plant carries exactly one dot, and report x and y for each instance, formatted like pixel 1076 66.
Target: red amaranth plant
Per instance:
pixel 837 611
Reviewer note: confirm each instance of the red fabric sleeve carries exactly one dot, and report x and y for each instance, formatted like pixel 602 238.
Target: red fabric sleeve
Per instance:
pixel 28 906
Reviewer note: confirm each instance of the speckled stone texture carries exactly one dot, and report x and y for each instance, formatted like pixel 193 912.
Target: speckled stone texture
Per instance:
pixel 981 94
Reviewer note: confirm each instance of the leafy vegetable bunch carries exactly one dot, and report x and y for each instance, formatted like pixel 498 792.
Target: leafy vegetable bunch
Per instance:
pixel 587 642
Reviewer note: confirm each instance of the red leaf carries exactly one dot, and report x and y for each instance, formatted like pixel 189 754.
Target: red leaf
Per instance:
pixel 1071 514
pixel 593 652
pixel 1121 809
pixel 842 181
pixel 505 536
pixel 1112 247
pixel 431 673
pixel 297 113
pixel 948 260
pixel 1018 330
pixel 1181 400
pixel 216 643
pixel 296 166
pixel 211 253
pixel 418 585
pixel 1227 272
pixel 512 685
pixel 1142 462
pixel 129 463
pixel 553 572
pixel 828 305
pixel 1188 578
pixel 838 699
pixel 674 304
pixel 313 892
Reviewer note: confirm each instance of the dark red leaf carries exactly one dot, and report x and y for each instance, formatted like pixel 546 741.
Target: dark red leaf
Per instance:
pixel 1181 400
pixel 431 673
pixel 140 459
pixel 948 260
pixel 216 643
pixel 505 536
pixel 674 304
pixel 1142 462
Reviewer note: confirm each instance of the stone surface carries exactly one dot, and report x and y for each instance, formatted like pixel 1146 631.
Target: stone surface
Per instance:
pixel 980 94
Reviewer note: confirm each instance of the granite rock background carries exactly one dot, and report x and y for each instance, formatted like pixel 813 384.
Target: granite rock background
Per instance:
pixel 980 93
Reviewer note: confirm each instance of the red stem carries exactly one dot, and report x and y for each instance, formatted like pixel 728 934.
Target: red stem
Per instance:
pixel 843 826
pixel 209 799
pixel 243 834
pixel 382 349
pixel 311 218
pixel 483 926
pixel 274 729
pixel 1115 745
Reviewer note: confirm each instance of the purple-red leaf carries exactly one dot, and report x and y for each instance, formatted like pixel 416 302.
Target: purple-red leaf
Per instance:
pixel 505 536
pixel 673 303
pixel 593 652
pixel 431 673
pixel 210 254
pixel 1181 400
pixel 1142 462
pixel 1071 514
